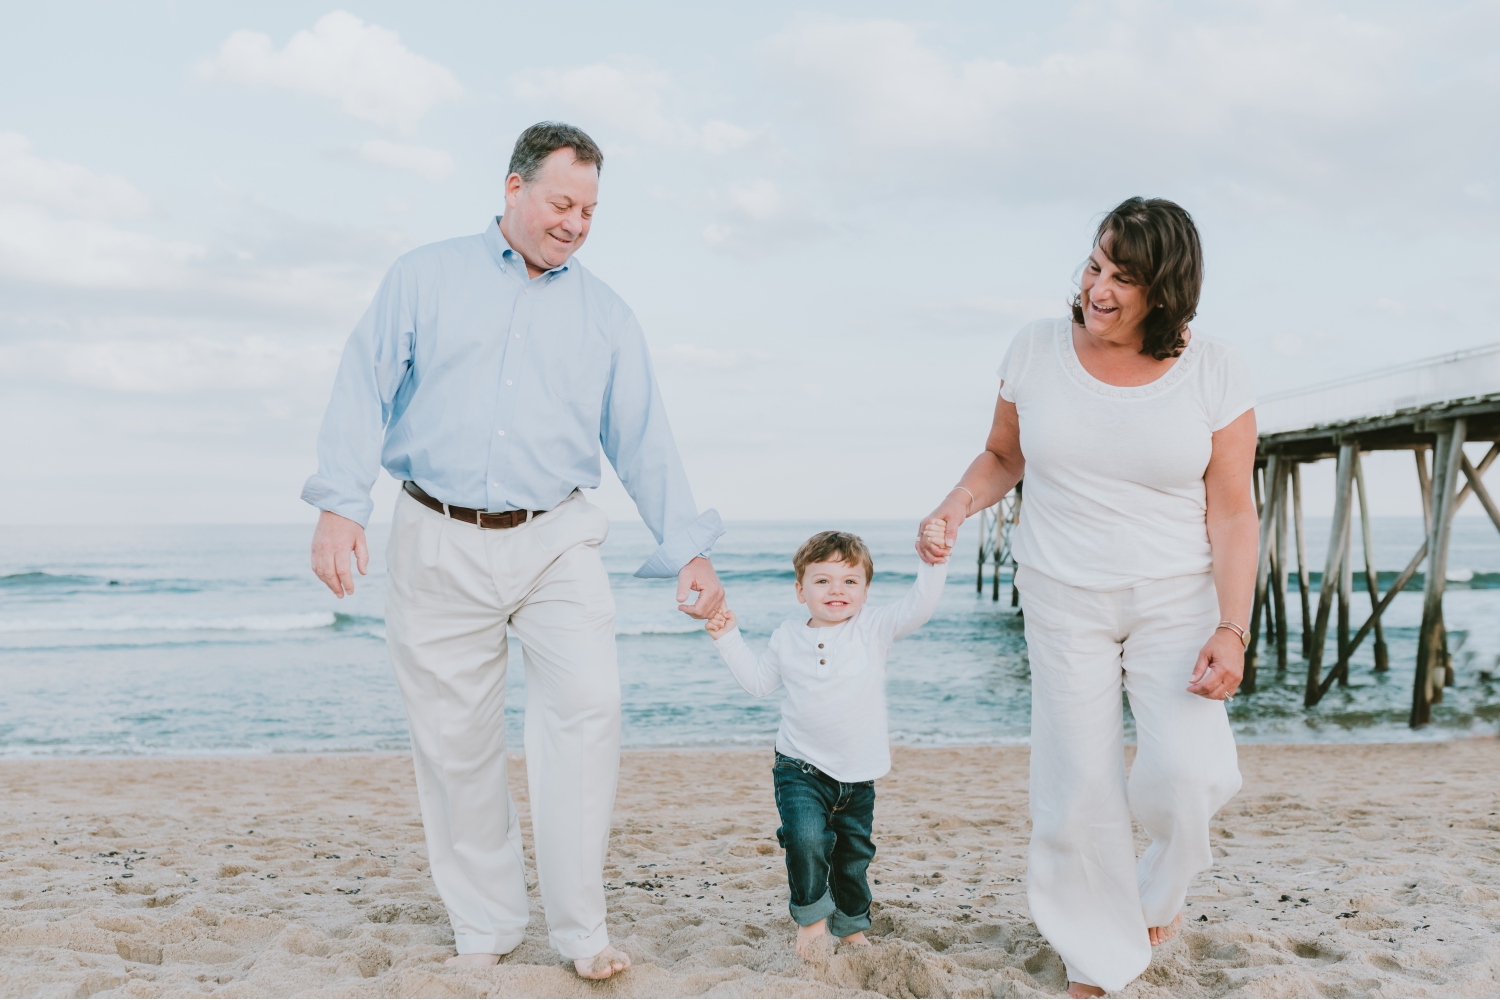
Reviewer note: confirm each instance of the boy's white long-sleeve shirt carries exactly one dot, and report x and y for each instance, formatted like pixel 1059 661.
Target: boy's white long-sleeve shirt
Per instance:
pixel 833 715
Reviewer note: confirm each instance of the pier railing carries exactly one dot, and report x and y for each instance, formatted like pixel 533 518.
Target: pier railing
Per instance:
pixel 1440 382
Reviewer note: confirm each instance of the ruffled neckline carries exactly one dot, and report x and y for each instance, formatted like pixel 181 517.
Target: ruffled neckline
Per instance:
pixel 1186 361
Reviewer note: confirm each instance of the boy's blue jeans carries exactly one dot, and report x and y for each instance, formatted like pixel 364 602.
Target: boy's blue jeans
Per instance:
pixel 825 828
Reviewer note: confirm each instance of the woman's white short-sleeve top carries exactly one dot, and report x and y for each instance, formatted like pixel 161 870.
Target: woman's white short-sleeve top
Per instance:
pixel 1114 494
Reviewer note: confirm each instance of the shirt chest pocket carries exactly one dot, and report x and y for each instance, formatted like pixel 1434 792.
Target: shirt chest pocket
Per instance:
pixel 847 659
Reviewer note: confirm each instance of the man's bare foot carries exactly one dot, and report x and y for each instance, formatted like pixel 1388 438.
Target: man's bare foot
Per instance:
pixel 476 959
pixel 808 934
pixel 858 937
pixel 603 965
pixel 1161 935
pixel 1084 990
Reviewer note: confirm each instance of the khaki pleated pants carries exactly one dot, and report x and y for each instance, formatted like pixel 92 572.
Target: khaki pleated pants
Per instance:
pixel 1089 896
pixel 453 588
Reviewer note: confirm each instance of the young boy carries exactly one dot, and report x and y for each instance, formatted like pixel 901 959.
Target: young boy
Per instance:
pixel 834 740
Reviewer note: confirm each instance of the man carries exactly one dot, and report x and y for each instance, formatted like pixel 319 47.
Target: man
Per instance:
pixel 486 376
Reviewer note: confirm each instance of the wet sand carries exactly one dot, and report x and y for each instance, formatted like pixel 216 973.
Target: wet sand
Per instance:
pixel 1342 871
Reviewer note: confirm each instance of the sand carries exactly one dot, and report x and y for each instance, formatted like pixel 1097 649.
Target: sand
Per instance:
pixel 1342 871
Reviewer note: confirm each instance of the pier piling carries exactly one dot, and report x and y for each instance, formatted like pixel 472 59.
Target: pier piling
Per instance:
pixel 1432 409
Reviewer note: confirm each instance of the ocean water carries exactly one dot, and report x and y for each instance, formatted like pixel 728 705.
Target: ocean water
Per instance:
pixel 218 640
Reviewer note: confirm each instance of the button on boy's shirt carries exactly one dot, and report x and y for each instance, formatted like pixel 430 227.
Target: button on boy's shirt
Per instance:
pixel 833 714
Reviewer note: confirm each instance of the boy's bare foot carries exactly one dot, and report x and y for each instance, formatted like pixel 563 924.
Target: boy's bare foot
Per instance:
pixel 1161 935
pixel 1084 990
pixel 476 959
pixel 603 965
pixel 808 934
pixel 858 937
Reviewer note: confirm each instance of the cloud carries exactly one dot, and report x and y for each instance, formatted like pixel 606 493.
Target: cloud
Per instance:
pixel 363 67
pixel 57 226
pixel 986 314
pixel 86 253
pixel 752 218
pixel 717 234
pixel 176 361
pixel 695 358
pixel 1160 77
pixel 718 138
pixel 65 188
pixel 65 226
pixel 631 100
pixel 1291 106
pixel 759 200
pixel 433 164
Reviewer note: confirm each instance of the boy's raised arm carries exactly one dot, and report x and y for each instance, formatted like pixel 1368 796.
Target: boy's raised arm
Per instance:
pixel 899 620
pixel 896 621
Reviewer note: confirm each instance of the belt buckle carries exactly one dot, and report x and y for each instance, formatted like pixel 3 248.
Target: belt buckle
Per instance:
pixel 480 515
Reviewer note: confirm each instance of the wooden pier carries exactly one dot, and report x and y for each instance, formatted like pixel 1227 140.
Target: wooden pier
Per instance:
pixel 1432 409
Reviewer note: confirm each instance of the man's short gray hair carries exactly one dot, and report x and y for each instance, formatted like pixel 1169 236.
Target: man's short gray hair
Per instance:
pixel 545 138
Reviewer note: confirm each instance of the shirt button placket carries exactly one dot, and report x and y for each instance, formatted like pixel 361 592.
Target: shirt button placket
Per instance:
pixel 520 318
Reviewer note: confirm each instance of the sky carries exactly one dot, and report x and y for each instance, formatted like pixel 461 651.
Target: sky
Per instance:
pixel 830 218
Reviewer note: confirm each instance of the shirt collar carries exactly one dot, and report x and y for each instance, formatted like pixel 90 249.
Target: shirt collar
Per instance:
pixel 509 260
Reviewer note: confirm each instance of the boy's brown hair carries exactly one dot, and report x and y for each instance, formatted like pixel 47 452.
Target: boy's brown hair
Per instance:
pixel 834 546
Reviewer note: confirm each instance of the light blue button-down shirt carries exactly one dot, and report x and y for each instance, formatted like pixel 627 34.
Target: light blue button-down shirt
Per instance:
pixel 495 391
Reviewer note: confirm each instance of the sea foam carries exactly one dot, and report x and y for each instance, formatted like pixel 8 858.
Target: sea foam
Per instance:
pixel 151 623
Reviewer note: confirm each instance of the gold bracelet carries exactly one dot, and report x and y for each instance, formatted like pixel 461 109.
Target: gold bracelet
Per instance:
pixel 968 507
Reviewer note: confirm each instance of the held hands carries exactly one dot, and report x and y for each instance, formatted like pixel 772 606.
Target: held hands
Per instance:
pixel 934 534
pixel 721 622
pixel 935 548
pixel 698 575
pixel 1221 664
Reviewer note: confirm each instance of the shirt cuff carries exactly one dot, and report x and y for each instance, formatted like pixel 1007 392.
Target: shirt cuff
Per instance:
pixel 323 495
pixel 683 546
pixel 728 638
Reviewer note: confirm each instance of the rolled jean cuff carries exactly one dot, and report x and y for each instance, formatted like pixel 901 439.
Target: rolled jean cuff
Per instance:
pixel 842 925
pixel 499 943
pixel 814 912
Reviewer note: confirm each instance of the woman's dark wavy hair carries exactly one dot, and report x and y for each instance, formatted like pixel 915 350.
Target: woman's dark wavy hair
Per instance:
pixel 1155 242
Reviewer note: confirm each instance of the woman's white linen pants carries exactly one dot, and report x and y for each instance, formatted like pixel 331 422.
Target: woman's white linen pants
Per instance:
pixel 453 588
pixel 1089 896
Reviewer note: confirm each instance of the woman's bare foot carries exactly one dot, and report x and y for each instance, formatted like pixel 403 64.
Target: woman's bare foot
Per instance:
pixel 1084 990
pixel 603 965
pixel 474 960
pixel 858 937
pixel 1161 935
pixel 808 934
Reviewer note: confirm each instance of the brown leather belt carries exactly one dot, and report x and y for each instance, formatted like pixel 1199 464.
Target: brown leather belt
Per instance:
pixel 483 518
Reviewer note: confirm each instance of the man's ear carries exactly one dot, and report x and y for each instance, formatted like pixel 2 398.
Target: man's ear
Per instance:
pixel 513 185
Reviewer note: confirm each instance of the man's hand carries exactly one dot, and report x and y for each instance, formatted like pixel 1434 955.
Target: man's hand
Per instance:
pixel 332 542
pixel 721 622
pixel 699 576
pixel 1221 664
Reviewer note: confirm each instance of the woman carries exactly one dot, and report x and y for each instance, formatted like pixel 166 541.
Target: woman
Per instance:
pixel 1136 554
